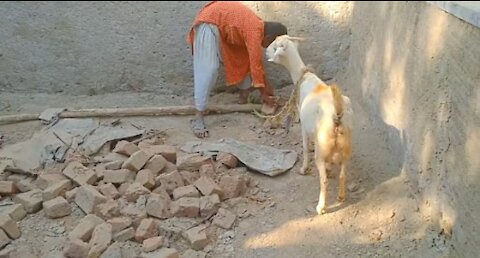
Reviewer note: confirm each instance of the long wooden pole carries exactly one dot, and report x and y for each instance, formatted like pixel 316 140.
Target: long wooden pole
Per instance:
pixel 141 111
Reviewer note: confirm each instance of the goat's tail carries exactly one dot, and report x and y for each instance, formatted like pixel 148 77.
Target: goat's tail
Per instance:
pixel 337 102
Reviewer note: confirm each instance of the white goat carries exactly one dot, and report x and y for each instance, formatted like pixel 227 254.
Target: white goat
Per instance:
pixel 325 116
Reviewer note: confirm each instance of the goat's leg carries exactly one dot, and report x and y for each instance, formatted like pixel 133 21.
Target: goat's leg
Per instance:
pixel 304 168
pixel 342 192
pixel 328 168
pixel 322 175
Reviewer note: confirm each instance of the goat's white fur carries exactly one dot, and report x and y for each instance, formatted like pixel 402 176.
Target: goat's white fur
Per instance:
pixel 317 116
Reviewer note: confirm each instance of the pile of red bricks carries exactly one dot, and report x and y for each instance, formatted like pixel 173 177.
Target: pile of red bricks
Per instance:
pixel 125 196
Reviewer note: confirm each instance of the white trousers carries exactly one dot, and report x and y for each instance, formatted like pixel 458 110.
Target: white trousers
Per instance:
pixel 207 57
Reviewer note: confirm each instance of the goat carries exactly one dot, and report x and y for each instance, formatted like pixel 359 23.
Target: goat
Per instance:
pixel 325 115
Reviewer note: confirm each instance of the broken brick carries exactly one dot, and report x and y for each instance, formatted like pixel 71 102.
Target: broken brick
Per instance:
pixel 45 180
pixel 119 224
pixel 87 197
pixel 85 228
pixel 109 191
pixel 169 167
pixel 185 191
pixel 122 189
pixel 9 226
pixel 79 174
pixel 145 178
pixel 207 170
pixel 209 205
pixel 136 161
pixel 76 249
pixel 158 206
pixel 227 159
pixel 57 189
pixel 189 177
pixel 25 185
pixel 146 229
pixel 197 237
pixel 101 238
pixel 4 239
pixel 7 187
pixel 125 148
pixel 124 235
pixel 224 219
pixel 134 191
pixel 156 164
pixel 15 211
pixel 152 244
pixel 168 152
pixel 207 186
pixel 113 165
pixel 170 181
pixel 233 186
pixel 31 200
pixel 118 176
pixel 57 208
pixel 70 195
pixel 192 162
pixel 107 209
pixel 185 207
pixel 114 251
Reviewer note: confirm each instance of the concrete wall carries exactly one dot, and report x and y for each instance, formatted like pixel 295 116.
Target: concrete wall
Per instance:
pixel 416 70
pixel 102 47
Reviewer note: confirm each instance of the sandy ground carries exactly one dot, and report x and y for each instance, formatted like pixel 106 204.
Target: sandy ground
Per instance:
pixel 379 219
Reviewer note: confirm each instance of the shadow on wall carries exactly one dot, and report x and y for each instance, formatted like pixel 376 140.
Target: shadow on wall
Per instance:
pixel 415 68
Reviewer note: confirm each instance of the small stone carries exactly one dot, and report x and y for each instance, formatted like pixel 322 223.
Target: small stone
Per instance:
pixel 156 164
pixel 125 148
pixel 352 187
pixel 87 198
pixel 101 238
pixel 79 173
pixel 145 178
pixel 136 161
pixel 224 219
pixel 146 229
pixel 9 226
pixel 152 244
pixel 185 207
pixel 185 191
pixel 134 191
pixel 57 189
pixel 194 254
pixel 124 235
pixel 57 208
pixel 76 249
pixel 119 224
pixel 197 237
pixel 207 186
pixel 163 253
pixel 31 200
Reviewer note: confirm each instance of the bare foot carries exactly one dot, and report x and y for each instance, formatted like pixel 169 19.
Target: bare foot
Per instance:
pixel 199 128
pixel 243 97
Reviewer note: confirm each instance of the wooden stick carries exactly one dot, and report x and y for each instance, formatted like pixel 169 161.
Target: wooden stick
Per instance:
pixel 142 111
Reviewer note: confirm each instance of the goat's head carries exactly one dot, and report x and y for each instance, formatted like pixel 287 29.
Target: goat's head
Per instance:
pixel 278 49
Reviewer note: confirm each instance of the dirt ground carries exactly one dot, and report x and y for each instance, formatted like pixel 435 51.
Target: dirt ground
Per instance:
pixel 379 219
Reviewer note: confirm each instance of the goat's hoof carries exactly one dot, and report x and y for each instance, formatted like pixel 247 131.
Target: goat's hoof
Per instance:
pixel 303 171
pixel 321 210
pixel 341 198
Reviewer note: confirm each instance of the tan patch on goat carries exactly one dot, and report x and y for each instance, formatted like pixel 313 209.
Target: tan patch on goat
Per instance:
pixel 320 88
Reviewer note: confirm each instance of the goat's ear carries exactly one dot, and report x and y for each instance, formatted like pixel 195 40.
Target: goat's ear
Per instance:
pixel 296 38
